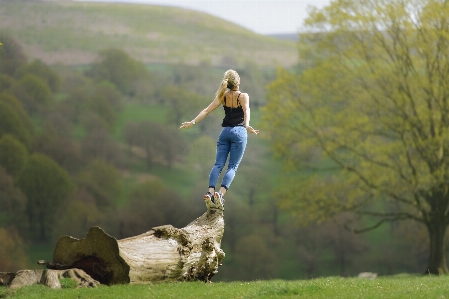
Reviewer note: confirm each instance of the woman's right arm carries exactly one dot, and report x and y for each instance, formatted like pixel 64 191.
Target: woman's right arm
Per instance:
pixel 212 106
pixel 244 101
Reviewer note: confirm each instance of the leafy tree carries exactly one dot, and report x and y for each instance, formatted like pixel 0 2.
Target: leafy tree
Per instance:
pixel 11 123
pixel 100 106
pixel 97 144
pixel 12 253
pixel 365 127
pixel 202 155
pixel 37 89
pixel 13 203
pixel 46 186
pixel 171 144
pixel 65 151
pixel 119 68
pixel 182 103
pixel 78 215
pixel 144 134
pixel 6 82
pixel 11 55
pixel 152 204
pixel 13 154
pixel 41 70
pixel 255 257
pixel 103 181
pixel 17 106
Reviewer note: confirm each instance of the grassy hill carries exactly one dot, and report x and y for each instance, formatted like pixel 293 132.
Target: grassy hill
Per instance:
pixel 72 33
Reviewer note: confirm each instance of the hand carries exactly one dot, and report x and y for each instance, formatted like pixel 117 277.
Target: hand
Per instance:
pixel 252 130
pixel 186 125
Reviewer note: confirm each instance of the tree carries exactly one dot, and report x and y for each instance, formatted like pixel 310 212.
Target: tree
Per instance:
pixel 119 68
pixel 152 203
pixel 365 127
pixel 14 103
pixel 13 154
pixel 171 144
pixel 41 70
pixel 13 203
pixel 11 123
pixel 103 181
pixel 11 55
pixel 46 186
pixel 37 89
pixel 12 254
pixel 97 144
pixel 182 103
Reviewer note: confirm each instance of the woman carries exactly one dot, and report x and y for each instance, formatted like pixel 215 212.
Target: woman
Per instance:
pixel 233 136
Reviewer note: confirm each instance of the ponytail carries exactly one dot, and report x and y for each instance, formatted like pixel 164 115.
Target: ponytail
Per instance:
pixel 221 90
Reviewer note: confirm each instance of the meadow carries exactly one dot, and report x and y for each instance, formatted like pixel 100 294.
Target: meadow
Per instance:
pixel 399 286
pixel 72 33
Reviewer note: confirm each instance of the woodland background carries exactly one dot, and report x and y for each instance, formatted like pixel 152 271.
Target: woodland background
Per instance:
pixel 91 96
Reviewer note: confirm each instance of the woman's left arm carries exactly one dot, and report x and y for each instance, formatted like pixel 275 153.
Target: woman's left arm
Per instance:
pixel 244 101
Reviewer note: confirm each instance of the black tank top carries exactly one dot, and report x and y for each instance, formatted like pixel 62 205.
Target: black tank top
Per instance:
pixel 233 116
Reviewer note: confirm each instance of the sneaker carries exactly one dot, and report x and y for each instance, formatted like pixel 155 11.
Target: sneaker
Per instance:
pixel 210 201
pixel 219 200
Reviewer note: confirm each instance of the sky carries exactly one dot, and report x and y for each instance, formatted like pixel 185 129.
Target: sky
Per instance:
pixel 260 16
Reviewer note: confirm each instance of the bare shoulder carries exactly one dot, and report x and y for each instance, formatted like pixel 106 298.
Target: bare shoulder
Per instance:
pixel 244 95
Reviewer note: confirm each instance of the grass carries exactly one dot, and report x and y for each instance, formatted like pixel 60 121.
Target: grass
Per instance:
pixel 401 286
pixel 72 32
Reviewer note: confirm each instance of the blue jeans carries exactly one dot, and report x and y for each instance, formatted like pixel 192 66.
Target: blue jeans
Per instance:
pixel 232 142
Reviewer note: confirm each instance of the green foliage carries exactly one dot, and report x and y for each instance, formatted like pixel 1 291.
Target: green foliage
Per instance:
pixel 118 67
pixel 6 82
pixel 11 55
pixel 12 254
pixel 150 204
pixel 37 89
pixel 46 186
pixel 11 123
pixel 157 141
pixel 13 154
pixel 364 129
pixel 13 203
pixel 182 103
pixel 17 106
pixel 100 106
pixel 41 70
pixel 102 180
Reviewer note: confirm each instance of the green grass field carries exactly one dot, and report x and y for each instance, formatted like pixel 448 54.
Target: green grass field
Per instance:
pixel 401 286
pixel 72 32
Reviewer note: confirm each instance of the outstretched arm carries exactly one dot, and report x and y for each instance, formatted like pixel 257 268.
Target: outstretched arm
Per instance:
pixel 244 100
pixel 212 106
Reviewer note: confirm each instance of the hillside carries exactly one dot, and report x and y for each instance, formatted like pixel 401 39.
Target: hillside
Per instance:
pixel 72 33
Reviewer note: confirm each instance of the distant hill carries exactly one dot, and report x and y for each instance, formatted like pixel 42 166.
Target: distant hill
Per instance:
pixel 286 36
pixel 72 33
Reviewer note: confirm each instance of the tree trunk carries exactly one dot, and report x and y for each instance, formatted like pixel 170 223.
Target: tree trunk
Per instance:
pixel 437 256
pixel 164 253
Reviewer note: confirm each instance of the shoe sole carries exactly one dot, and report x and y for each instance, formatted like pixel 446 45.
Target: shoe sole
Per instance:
pixel 218 201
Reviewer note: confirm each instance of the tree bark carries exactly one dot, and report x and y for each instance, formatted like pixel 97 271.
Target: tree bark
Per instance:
pixel 49 278
pixel 437 256
pixel 164 253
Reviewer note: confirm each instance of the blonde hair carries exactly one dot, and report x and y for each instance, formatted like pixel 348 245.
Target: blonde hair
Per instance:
pixel 230 80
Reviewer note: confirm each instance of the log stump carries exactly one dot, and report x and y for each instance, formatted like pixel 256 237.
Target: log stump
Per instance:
pixel 163 254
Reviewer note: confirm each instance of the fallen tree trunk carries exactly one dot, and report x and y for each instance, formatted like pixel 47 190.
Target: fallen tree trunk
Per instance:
pixel 164 253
